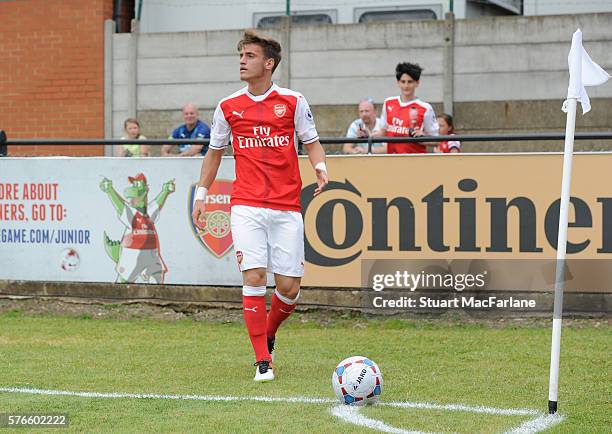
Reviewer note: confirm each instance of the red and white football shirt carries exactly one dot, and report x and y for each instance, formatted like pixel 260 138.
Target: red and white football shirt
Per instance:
pixel 263 130
pixel 446 146
pixel 143 235
pixel 399 117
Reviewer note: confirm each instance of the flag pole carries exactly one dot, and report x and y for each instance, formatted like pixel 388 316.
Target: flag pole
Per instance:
pixel 555 350
pixel 583 72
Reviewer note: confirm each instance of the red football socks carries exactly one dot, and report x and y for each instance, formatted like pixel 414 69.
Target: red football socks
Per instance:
pixel 279 312
pixel 254 311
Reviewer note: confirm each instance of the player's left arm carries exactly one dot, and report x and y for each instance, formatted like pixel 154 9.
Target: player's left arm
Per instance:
pixel 316 155
pixel 308 135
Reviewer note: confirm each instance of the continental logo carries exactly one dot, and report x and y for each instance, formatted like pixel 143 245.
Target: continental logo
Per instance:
pixel 397 217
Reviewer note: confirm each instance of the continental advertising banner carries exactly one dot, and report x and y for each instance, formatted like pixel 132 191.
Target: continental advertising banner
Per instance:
pixel 485 212
pixel 128 220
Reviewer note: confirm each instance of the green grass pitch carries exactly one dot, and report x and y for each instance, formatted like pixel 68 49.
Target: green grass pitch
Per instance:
pixel 444 362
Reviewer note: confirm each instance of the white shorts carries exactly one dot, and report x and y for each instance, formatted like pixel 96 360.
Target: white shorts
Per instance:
pixel 268 238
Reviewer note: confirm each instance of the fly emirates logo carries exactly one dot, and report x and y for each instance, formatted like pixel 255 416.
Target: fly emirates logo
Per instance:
pixel 398 127
pixel 262 138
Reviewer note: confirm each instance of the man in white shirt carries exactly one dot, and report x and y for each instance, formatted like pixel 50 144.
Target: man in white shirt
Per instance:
pixel 362 128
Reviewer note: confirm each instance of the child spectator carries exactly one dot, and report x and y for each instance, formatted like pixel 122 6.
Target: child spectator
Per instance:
pixel 131 131
pixel 445 122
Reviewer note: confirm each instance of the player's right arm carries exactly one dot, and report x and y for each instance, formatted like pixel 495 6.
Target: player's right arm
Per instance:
pixel 219 140
pixel 210 166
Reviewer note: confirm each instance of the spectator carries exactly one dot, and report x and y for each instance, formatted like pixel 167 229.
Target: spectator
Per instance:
pixel 3 151
pixel 406 115
pixel 363 127
pixel 445 122
pixel 131 131
pixel 193 128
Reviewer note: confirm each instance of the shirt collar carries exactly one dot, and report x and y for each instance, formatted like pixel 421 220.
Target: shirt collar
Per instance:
pixel 263 96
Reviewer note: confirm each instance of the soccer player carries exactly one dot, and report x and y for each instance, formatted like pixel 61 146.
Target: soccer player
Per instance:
pixel 406 115
pixel 262 121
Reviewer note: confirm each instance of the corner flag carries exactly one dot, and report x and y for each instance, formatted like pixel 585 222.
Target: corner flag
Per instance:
pixel 583 72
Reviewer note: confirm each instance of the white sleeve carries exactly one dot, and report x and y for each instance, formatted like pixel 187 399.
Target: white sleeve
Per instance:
pixel 430 123
pixel 454 144
pixel 352 130
pixel 383 116
pixel 304 123
pixel 221 131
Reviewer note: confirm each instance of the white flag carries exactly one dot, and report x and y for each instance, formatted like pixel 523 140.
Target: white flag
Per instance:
pixel 583 72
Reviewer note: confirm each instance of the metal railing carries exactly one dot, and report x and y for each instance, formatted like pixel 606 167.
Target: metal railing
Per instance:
pixel 606 135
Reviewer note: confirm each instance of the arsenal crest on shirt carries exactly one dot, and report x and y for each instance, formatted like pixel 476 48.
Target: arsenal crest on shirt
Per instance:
pixel 216 235
pixel 280 110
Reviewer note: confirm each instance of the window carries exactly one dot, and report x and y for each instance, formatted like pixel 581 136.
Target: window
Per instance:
pixel 397 15
pixel 514 6
pixel 303 18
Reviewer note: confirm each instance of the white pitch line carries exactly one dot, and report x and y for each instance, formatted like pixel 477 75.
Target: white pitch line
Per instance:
pixel 465 408
pixel 538 424
pixel 352 415
pixel 298 400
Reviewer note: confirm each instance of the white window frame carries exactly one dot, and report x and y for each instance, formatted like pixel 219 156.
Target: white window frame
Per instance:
pixel 436 8
pixel 508 5
pixel 332 13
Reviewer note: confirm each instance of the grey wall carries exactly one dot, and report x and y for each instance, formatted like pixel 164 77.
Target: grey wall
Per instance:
pixel 510 73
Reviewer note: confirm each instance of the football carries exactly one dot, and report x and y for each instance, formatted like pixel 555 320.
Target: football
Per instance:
pixel 357 381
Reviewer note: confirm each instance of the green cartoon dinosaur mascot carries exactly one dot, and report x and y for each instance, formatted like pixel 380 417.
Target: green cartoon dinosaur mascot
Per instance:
pixel 137 254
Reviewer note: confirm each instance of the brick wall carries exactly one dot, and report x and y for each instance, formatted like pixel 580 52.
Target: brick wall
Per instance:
pixel 52 79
